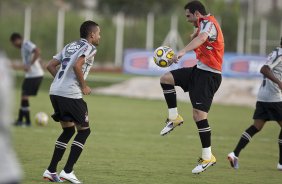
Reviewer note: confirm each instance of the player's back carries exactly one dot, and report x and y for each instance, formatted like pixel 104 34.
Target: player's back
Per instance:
pixel 65 82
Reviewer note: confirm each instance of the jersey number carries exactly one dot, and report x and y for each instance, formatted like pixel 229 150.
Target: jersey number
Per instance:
pixel 65 62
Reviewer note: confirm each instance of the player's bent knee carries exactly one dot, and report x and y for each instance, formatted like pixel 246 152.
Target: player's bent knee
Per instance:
pixel 84 132
pixel 69 131
pixel 167 78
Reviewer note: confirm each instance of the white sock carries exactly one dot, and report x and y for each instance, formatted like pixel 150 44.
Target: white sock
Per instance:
pixel 206 153
pixel 172 113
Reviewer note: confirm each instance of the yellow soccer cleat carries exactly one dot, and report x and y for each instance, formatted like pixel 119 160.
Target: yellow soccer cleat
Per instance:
pixel 203 165
pixel 171 124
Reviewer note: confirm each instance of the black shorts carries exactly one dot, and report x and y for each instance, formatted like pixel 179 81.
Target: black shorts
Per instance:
pixel 30 86
pixel 268 111
pixel 200 84
pixel 70 110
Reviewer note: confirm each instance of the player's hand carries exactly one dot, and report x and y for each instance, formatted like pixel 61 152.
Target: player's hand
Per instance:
pixel 86 90
pixel 180 54
pixel 26 68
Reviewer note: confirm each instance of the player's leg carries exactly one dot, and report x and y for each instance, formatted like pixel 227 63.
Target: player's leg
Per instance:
pixel 59 150
pixel 201 96
pixel 207 159
pixel 80 114
pixel 24 110
pixel 179 77
pixel 279 165
pixel 24 105
pixel 167 84
pixel 246 137
pixel 77 147
pixel 61 144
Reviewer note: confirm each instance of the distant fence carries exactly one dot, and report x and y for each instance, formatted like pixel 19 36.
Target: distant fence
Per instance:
pixel 237 66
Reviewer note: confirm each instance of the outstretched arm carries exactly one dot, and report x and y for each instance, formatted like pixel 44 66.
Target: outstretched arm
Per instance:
pixel 195 43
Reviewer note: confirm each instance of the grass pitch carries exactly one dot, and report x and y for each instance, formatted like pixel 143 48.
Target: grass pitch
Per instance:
pixel 125 146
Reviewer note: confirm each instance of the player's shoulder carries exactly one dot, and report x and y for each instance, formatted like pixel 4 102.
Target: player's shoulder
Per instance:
pixel 28 43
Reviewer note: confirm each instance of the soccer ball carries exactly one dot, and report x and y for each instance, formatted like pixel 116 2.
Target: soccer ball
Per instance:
pixel 41 118
pixel 162 55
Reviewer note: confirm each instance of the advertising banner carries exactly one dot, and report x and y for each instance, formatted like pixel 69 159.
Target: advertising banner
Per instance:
pixel 238 66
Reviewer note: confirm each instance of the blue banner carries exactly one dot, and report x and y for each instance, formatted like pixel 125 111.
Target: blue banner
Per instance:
pixel 239 66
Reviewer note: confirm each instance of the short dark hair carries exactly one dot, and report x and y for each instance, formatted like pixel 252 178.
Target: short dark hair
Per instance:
pixel 86 28
pixel 196 6
pixel 15 36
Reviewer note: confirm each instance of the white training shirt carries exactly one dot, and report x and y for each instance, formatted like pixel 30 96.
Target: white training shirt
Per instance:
pixel 65 83
pixel 27 54
pixel 209 28
pixel 270 91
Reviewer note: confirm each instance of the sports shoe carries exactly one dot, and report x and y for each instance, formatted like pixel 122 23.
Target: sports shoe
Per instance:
pixel 69 177
pixel 234 161
pixel 53 177
pixel 203 165
pixel 171 124
pixel 279 167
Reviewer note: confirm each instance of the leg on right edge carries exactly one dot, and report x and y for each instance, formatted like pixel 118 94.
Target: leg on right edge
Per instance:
pixel 246 137
pixel 279 165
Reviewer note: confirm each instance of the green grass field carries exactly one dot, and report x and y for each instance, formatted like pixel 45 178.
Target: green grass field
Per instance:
pixel 125 146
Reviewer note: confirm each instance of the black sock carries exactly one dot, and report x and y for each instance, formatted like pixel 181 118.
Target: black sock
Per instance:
pixel 245 139
pixel 20 116
pixel 170 95
pixel 76 149
pixel 204 132
pixel 280 147
pixel 25 110
pixel 60 147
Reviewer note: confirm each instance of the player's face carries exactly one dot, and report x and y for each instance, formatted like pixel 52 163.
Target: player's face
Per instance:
pixel 192 18
pixel 96 36
pixel 17 43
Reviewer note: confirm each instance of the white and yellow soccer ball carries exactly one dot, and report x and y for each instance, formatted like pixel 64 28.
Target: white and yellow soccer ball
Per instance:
pixel 41 119
pixel 163 55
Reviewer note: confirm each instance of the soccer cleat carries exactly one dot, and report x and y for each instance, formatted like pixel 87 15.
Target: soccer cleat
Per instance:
pixel 234 161
pixel 203 165
pixel 171 124
pixel 53 177
pixel 279 167
pixel 69 177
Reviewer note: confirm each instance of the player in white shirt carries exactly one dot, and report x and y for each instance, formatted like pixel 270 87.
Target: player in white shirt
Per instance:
pixel 33 75
pixel 268 106
pixel 66 93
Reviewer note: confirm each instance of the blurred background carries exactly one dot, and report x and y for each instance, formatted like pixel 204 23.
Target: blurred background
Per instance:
pixel 249 26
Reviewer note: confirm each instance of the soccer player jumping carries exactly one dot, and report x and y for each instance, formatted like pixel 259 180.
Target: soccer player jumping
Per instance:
pixel 66 92
pixel 201 81
pixel 268 106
